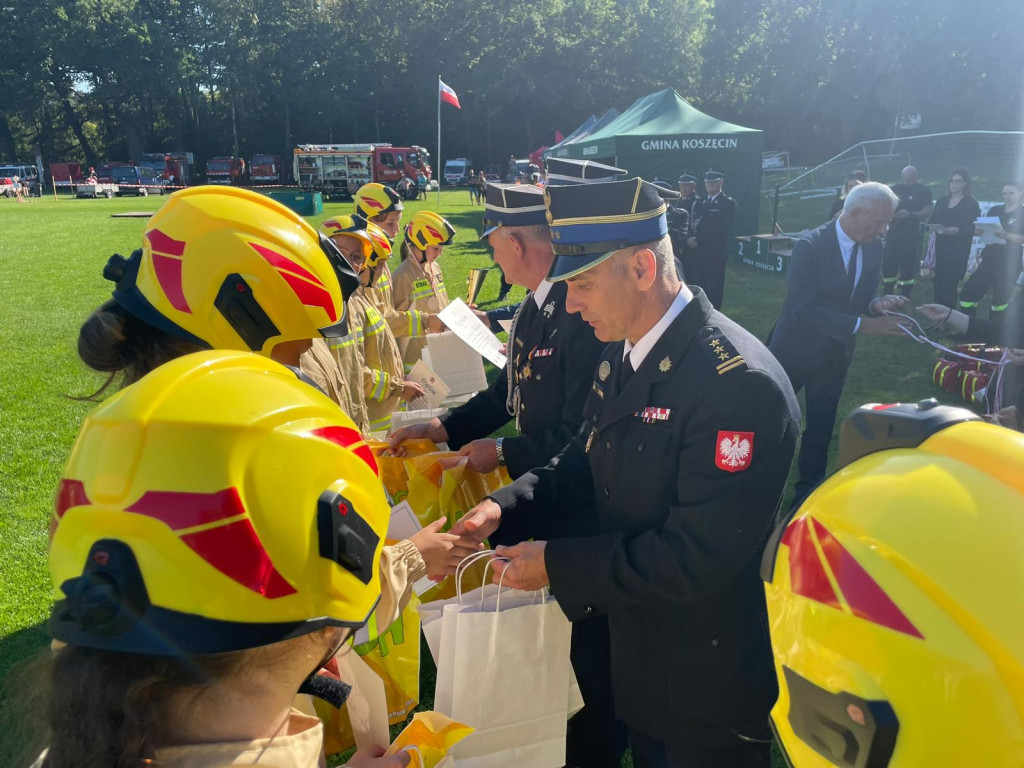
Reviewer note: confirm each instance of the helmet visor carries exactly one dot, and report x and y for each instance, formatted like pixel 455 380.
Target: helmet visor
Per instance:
pixel 348 280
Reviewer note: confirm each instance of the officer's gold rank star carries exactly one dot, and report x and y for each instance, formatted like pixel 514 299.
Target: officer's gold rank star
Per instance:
pixel 665 365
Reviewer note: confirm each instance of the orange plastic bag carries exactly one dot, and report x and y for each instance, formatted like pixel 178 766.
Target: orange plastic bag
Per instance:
pixel 429 737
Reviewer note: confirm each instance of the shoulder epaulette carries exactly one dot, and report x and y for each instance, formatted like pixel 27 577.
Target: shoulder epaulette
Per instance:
pixel 721 351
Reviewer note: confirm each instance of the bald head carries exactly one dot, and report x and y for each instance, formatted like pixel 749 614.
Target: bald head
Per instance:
pixel 909 175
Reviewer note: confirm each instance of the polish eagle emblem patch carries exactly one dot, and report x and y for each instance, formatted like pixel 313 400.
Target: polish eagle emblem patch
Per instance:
pixel 734 450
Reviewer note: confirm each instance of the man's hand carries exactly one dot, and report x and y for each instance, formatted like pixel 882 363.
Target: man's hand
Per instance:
pixel 411 390
pixel 889 303
pixel 526 569
pixel 480 522
pixel 434 324
pixel 951 231
pixel 431 430
pixel 442 551
pixel 1007 417
pixel 902 214
pixel 880 326
pixel 483 454
pixel 949 319
pixel 692 242
pixel 1000 233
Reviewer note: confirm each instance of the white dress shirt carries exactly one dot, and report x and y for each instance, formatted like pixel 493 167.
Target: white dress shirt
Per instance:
pixel 542 293
pixel 846 244
pixel 637 352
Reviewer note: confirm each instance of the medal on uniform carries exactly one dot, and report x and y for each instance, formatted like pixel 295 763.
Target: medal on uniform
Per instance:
pixel 590 440
pixel 652 415
pixel 517 406
pixel 604 370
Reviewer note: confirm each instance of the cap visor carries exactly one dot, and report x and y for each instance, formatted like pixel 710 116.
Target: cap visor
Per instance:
pixel 564 267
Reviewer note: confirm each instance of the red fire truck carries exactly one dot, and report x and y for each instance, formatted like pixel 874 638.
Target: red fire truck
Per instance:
pixel 265 169
pixel 176 168
pixel 340 169
pixel 225 170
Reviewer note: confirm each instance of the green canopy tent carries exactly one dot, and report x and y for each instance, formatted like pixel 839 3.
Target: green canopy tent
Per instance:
pixel 661 135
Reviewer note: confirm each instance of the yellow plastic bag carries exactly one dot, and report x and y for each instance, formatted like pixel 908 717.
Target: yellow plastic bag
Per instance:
pixel 429 737
pixel 395 656
pixel 392 468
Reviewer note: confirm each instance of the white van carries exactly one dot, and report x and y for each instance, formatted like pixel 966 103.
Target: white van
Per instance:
pixel 456 171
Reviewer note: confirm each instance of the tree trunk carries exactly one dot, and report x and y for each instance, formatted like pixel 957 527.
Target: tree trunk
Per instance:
pixel 288 153
pixel 8 147
pixel 131 135
pixel 75 123
pixel 234 130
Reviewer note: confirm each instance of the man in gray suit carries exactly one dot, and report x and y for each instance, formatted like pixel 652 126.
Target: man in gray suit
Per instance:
pixel 833 278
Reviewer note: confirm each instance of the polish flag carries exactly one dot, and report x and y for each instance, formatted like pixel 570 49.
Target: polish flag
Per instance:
pixel 448 94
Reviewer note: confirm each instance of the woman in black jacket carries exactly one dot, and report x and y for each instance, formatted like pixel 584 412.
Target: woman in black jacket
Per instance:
pixel 955 213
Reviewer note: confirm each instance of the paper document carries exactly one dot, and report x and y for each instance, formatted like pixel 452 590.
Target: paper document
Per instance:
pixel 463 323
pixel 988 226
pixel 403 524
pixel 459 365
pixel 434 389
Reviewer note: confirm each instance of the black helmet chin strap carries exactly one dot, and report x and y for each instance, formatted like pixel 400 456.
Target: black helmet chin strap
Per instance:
pixel 324 687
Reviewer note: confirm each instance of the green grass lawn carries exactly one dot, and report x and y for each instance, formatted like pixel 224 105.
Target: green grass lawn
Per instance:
pixel 53 252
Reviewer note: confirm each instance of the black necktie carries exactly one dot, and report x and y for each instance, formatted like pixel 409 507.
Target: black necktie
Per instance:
pixel 851 269
pixel 625 373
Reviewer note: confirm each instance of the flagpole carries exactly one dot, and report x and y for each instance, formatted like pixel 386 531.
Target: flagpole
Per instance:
pixel 437 165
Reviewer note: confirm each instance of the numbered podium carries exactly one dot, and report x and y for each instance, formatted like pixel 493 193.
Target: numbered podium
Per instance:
pixel 768 253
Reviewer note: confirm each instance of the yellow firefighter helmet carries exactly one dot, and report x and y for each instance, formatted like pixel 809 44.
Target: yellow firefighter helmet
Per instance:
pixel 217 504
pixel 895 597
pixel 376 246
pixel 375 199
pixel 228 268
pixel 427 228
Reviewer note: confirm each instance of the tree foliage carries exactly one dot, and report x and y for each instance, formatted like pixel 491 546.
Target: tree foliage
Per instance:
pixel 90 80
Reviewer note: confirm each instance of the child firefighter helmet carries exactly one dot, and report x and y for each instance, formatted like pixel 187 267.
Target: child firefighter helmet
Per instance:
pixel 217 504
pixel 376 246
pixel 375 199
pixel 895 597
pixel 228 268
pixel 427 228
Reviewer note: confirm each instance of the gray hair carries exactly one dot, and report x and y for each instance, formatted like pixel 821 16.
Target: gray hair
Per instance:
pixel 664 256
pixel 537 233
pixel 868 195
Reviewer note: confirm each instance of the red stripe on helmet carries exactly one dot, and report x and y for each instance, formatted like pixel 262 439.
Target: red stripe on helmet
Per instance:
pixel 180 509
pixel 161 241
pixel 370 202
pixel 168 274
pixel 806 574
pixel 311 295
pixel 280 261
pixel 347 437
pixel 434 232
pixel 235 550
pixel 70 493
pixel 865 597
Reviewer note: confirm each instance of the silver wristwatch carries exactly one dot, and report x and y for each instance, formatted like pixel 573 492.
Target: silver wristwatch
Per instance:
pixel 500 452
